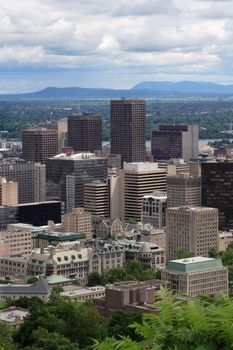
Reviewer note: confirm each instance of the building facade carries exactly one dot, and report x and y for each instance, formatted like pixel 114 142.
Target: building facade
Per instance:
pixel 175 141
pixel 128 129
pixel 79 220
pixel 154 209
pixel 196 276
pixel 39 144
pixel 96 198
pixel 217 189
pixel 191 229
pixel 182 190
pixel 85 133
pixel 8 192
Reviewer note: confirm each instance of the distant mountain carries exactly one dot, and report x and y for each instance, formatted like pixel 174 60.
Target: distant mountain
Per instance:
pixel 147 89
pixel 185 87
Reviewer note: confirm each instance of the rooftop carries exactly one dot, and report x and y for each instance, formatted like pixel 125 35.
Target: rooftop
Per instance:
pixel 13 315
pixel 39 287
pixel 194 264
pixel 76 156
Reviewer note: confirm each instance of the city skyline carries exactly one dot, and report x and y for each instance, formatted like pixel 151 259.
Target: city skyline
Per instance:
pixel 113 44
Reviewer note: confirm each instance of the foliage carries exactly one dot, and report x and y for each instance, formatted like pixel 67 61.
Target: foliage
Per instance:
pixel 182 254
pixel 6 341
pixel 94 279
pixel 32 280
pixel 75 323
pixel 120 322
pixel 213 253
pixel 203 324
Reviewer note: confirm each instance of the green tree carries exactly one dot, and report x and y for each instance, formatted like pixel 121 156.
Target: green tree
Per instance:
pixel 213 253
pixel 32 280
pixel 94 279
pixel 194 325
pixel 120 322
pixel 182 254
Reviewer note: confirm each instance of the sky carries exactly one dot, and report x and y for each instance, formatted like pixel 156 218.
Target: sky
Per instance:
pixel 113 43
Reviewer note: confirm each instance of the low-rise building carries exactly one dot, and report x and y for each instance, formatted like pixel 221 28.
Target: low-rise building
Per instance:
pixel 19 241
pixel 197 276
pixel 82 294
pixel 130 296
pixel 13 265
pixel 224 239
pixel 109 228
pixel 39 289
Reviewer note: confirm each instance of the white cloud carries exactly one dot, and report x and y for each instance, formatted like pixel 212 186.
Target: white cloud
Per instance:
pixel 115 36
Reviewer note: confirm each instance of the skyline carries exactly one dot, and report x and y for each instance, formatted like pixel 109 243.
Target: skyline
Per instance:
pixel 113 44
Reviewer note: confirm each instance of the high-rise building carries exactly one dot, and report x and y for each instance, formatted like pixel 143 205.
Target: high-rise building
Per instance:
pixel 79 220
pixel 175 141
pixel 85 133
pixel 128 129
pixel 154 209
pixel 191 229
pixel 8 192
pixel 67 174
pixel 96 198
pixel 217 190
pixel 182 190
pixel 196 276
pixel 39 144
pixel 30 177
pixel 140 179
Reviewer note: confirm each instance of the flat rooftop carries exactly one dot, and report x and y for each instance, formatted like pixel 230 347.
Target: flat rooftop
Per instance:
pixel 194 264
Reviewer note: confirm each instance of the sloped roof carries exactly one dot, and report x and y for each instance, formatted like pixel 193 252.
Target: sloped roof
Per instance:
pixel 39 287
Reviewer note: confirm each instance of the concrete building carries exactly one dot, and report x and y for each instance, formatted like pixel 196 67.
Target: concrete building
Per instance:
pixel 182 190
pixel 45 239
pixel 154 209
pixel 19 241
pixel 217 189
pixel 96 198
pixel 114 161
pixel 140 179
pixel 197 276
pixel 30 177
pixel 67 174
pixel 13 265
pixel 192 229
pixel 79 220
pixel 225 238
pixel 8 192
pixel 175 141
pixel 108 227
pixel 128 129
pixel 130 296
pixel 116 190
pixel 82 294
pixel 106 257
pixel 85 133
pixel 39 144
pixel 40 289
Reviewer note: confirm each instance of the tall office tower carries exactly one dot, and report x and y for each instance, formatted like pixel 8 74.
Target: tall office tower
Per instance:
pixel 192 229
pixel 85 133
pixel 154 209
pixel 183 189
pixel 61 126
pixel 39 144
pixel 67 174
pixel 29 176
pixel 175 141
pixel 128 129
pixel 96 198
pixel 78 220
pixel 39 182
pixel 217 189
pixel 8 192
pixel 140 179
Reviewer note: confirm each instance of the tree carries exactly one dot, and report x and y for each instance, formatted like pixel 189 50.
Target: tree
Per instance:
pixel 120 322
pixel 213 253
pixel 94 279
pixel 182 254
pixel 32 280
pixel 194 325
pixel 6 341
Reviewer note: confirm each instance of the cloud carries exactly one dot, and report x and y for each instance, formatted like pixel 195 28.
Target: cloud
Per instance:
pixel 115 38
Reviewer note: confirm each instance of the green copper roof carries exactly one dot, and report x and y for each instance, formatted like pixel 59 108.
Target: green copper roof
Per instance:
pixel 61 238
pixel 195 264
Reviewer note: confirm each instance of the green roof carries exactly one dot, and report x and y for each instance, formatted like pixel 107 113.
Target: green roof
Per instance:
pixel 61 238
pixel 194 264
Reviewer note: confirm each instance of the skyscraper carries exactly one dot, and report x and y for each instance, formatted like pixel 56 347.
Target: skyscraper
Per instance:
pixel 8 192
pixel 85 133
pixel 140 179
pixel 183 189
pixel 96 198
pixel 175 141
pixel 191 229
pixel 128 129
pixel 154 209
pixel 30 177
pixel 39 144
pixel 217 190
